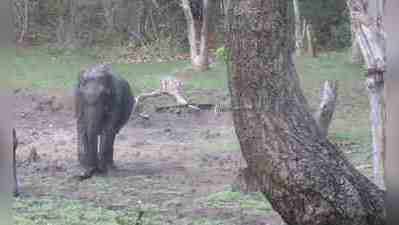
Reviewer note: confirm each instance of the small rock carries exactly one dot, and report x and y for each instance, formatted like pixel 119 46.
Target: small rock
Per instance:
pixel 208 134
pixel 56 106
pixel 17 90
pixel 39 107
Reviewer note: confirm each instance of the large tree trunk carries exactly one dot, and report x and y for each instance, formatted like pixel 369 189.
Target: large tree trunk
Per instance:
pixel 305 177
pixel 199 54
pixel 370 36
pixel 392 110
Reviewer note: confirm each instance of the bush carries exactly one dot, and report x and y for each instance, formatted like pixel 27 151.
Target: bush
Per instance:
pixel 221 53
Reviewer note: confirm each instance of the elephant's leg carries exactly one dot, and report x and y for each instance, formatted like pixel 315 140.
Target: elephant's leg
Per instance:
pixel 101 153
pixel 81 144
pixel 106 151
pixel 109 154
pixel 92 147
pixel 88 154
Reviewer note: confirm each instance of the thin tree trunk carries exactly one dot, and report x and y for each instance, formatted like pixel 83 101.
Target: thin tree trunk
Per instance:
pixel 71 26
pixel 309 34
pixel 192 39
pixel 325 112
pixel 298 29
pixel 203 57
pixel 109 15
pixel 142 20
pixel 356 52
pixel 305 177
pixel 371 40
pixel 199 56
pixel 66 29
pixel 25 22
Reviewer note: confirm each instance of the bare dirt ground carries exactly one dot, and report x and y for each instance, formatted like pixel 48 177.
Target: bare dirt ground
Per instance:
pixel 170 162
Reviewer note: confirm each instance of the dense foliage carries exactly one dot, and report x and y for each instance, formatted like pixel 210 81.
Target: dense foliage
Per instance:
pixel 69 23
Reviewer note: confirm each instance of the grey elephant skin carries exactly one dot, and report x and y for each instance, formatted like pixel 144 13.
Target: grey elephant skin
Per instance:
pixel 104 103
pixel 14 166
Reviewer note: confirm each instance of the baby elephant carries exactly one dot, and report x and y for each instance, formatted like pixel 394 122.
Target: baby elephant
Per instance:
pixel 104 102
pixel 14 166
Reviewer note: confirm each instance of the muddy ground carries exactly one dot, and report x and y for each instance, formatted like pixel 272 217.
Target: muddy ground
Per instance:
pixel 169 162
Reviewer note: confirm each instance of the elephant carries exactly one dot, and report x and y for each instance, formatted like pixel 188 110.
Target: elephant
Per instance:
pixel 14 166
pixel 104 102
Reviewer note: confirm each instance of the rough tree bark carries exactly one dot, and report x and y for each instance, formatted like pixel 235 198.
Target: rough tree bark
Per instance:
pixel 391 95
pixel 246 182
pixel 199 54
pixel 305 177
pixel 370 37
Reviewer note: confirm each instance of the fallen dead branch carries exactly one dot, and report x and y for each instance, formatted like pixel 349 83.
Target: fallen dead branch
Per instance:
pixel 171 87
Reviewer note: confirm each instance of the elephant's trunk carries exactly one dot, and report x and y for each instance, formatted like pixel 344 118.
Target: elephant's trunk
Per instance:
pixel 94 115
pixel 94 118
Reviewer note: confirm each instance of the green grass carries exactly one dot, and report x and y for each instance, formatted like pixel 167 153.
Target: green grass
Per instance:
pixel 230 199
pixel 59 211
pixel 43 68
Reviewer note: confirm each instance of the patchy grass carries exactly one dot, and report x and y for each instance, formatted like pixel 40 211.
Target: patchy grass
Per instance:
pixel 59 211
